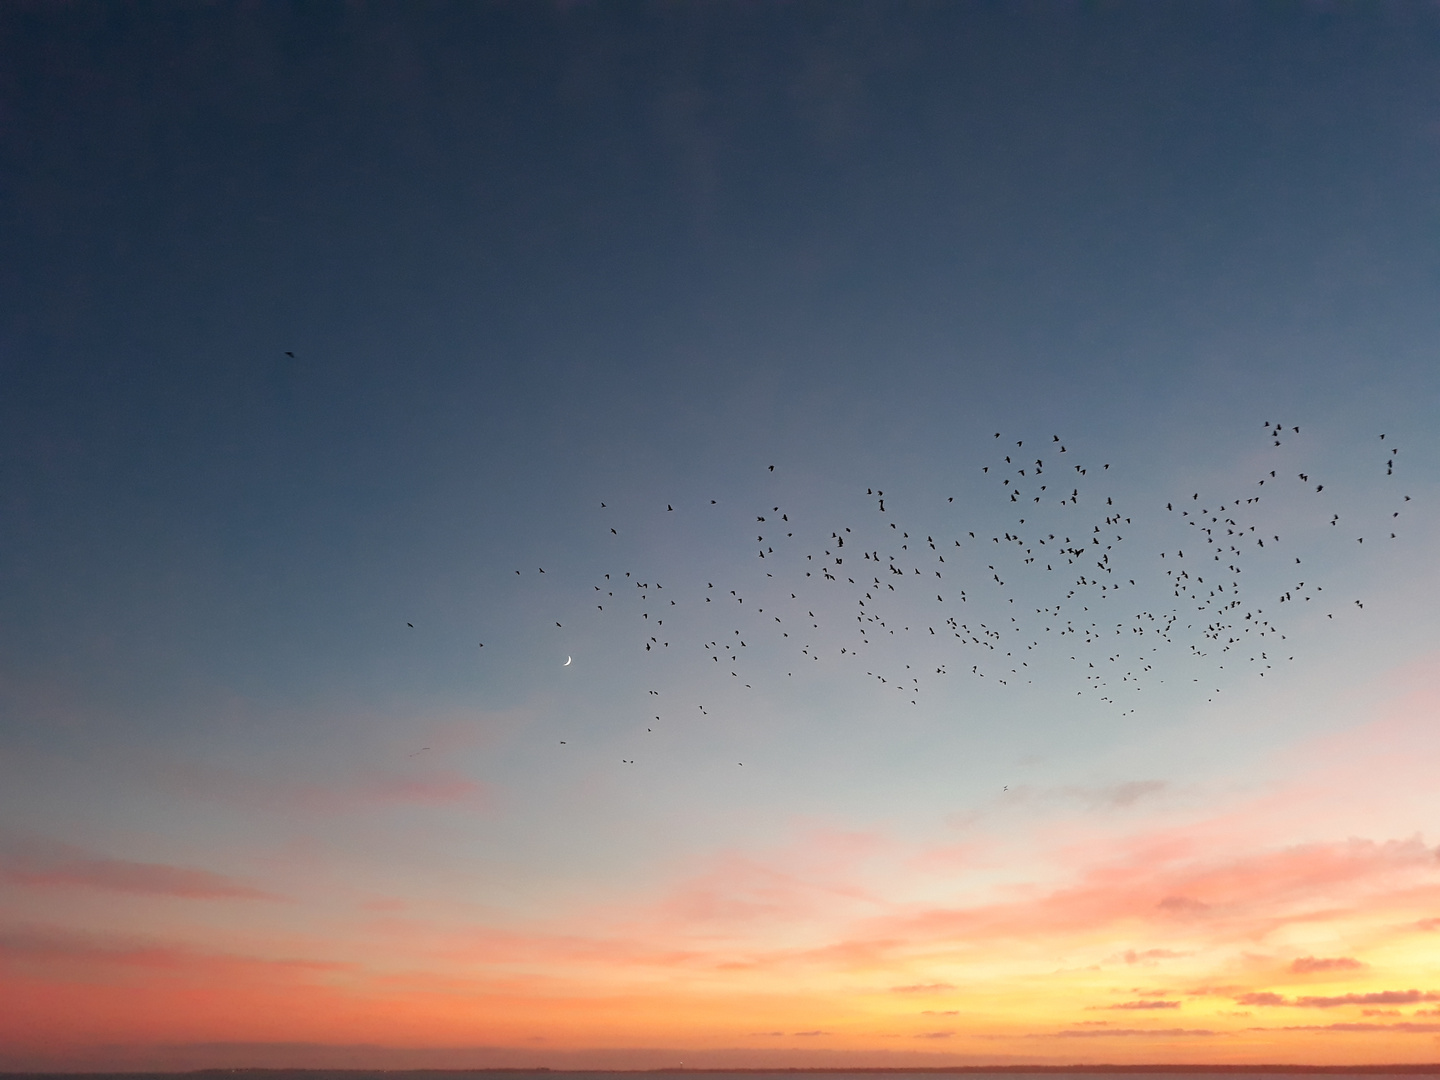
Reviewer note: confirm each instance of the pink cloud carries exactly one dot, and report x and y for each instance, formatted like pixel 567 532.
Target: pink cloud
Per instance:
pixel 1305 965
pixel 56 946
pixel 819 872
pixel 739 913
pixel 1130 956
pixel 433 788
pixel 1247 892
pixel 1182 905
pixel 37 864
pixel 1262 997
pixel 889 916
pixel 368 789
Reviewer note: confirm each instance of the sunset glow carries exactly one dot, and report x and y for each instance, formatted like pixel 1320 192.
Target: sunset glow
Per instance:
pixel 598 536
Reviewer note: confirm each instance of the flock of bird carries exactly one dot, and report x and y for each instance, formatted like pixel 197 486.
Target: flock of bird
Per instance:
pixel 1051 588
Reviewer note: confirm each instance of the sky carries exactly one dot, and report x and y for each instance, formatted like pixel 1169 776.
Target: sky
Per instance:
pixel 612 535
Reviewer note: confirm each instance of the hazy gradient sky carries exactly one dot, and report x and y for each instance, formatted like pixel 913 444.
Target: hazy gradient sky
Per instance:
pixel 266 799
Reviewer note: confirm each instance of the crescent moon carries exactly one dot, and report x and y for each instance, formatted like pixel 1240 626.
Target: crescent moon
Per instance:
pixel 566 663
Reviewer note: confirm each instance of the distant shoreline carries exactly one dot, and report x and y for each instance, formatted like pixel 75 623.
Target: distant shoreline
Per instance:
pixel 1430 1069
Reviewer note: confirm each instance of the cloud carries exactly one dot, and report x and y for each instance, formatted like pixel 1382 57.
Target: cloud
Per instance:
pixel 1406 1026
pixel 1123 1032
pixel 438 787
pixel 1117 796
pixel 823 871
pixel 1142 1005
pixel 365 789
pixel 1381 997
pixel 52 946
pixel 730 939
pixel 1248 893
pixel 1378 997
pixel 922 988
pixel 1182 905
pixel 1126 794
pixel 39 864
pixel 1305 965
pixel 1130 956
pixel 1263 997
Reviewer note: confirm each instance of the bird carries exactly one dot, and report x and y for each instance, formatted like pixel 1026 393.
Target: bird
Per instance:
pixel 1227 619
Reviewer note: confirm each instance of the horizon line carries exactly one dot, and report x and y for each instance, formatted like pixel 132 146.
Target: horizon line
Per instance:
pixel 1409 1068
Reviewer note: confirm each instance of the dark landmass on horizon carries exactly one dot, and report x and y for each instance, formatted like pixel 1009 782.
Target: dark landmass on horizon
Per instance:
pixel 450 1074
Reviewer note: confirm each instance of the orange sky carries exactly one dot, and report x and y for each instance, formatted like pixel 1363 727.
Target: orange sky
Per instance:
pixel 1272 922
